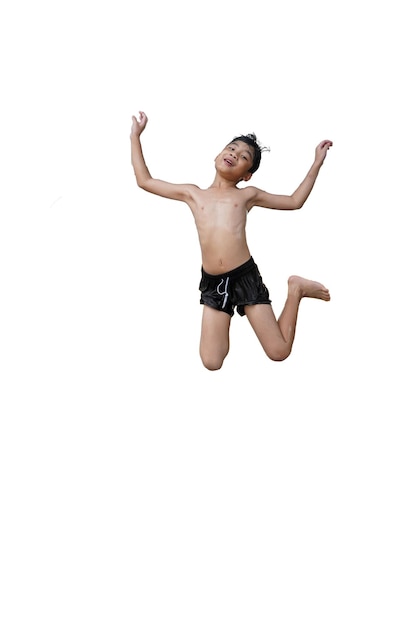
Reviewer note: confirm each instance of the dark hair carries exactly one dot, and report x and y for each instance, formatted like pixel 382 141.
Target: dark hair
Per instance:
pixel 251 140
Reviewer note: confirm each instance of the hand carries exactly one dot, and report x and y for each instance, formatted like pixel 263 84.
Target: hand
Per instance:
pixel 138 124
pixel 321 150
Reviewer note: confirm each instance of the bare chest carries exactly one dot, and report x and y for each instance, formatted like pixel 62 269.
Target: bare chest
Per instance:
pixel 225 211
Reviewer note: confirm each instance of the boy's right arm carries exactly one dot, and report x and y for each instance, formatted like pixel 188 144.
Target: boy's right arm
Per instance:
pixel 143 177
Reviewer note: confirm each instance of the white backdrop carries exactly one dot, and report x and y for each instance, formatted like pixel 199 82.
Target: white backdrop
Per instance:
pixel 137 488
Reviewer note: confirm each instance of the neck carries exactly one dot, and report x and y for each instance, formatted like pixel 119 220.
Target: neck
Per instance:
pixel 220 182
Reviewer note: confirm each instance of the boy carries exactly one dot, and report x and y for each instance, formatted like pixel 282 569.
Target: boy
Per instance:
pixel 230 277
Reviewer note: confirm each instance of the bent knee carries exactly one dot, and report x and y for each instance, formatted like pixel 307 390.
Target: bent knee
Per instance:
pixel 212 361
pixel 212 366
pixel 279 353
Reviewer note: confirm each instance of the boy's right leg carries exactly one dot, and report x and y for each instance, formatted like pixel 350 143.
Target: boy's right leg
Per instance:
pixel 214 342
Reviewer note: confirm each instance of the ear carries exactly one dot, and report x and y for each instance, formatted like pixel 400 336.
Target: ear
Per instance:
pixel 247 176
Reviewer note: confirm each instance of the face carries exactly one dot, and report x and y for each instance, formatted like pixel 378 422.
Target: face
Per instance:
pixel 236 160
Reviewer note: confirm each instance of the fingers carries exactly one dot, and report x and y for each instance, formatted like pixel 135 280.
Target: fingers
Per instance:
pixel 326 143
pixel 322 148
pixel 141 118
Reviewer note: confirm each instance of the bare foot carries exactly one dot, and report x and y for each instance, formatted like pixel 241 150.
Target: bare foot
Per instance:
pixel 304 288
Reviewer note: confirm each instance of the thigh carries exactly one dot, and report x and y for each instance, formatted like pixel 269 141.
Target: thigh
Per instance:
pixel 214 342
pixel 263 321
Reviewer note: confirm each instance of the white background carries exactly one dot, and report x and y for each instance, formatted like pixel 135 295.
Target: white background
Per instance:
pixel 137 488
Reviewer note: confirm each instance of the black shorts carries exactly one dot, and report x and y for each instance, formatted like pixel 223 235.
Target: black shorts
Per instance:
pixel 237 288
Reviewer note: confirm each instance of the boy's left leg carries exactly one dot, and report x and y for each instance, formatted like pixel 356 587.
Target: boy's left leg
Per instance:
pixel 277 335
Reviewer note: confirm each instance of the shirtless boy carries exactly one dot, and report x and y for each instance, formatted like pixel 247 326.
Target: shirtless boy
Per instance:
pixel 230 278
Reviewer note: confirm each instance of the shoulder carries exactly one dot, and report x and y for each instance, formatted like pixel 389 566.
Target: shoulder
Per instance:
pixel 187 190
pixel 250 194
pixel 175 191
pixel 250 190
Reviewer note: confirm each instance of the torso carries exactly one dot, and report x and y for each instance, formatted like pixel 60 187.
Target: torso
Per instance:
pixel 220 218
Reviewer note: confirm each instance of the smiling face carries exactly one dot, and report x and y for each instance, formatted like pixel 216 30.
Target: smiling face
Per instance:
pixel 235 161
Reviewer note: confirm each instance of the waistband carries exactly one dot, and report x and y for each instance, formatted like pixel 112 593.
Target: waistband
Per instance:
pixel 235 273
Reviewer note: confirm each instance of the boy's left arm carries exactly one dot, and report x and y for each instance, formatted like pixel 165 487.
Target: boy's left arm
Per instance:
pixel 300 195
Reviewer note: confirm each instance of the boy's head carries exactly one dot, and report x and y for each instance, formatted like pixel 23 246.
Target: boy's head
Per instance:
pixel 252 141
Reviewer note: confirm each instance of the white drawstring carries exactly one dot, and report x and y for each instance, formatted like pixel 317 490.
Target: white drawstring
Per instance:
pixel 223 293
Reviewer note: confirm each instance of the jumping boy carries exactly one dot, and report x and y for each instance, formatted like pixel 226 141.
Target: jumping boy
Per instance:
pixel 230 278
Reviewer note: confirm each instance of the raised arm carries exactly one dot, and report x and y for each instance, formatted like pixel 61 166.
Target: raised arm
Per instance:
pixel 300 195
pixel 143 177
